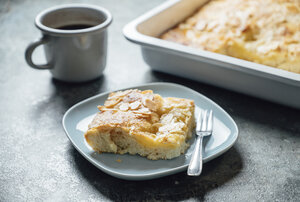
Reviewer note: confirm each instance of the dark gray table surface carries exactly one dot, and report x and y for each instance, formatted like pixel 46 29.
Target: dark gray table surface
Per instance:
pixel 38 162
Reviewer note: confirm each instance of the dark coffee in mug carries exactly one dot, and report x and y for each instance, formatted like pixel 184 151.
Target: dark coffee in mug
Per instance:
pixel 73 27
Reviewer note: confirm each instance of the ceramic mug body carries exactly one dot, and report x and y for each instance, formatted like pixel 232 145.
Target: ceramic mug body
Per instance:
pixel 75 41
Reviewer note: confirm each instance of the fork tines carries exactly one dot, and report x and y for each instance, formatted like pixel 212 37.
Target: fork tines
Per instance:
pixel 204 121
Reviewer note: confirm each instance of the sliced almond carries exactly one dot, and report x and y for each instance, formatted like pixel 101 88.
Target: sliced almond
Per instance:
pixel 124 106
pixel 103 108
pixel 167 118
pixel 142 115
pixel 132 96
pixel 135 105
pixel 112 102
pixel 150 104
pixel 147 96
pixel 144 111
pixel 154 117
pixel 201 25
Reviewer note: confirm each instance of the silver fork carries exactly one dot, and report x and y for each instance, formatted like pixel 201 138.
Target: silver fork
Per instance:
pixel 204 127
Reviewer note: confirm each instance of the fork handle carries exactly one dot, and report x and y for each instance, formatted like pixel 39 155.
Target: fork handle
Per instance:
pixel 195 166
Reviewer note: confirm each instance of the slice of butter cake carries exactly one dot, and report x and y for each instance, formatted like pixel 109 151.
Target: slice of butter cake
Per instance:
pixel 140 122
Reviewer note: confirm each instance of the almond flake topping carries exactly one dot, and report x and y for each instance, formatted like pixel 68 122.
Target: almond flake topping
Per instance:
pixel 134 105
pixel 124 106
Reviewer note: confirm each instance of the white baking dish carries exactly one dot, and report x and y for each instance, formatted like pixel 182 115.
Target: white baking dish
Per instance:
pixel 224 71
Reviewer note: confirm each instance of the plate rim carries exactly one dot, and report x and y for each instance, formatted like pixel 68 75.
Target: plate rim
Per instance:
pixel 157 174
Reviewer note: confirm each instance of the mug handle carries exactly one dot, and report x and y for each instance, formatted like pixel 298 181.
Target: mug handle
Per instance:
pixel 29 50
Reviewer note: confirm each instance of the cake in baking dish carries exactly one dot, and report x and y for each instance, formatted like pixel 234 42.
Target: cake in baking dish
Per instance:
pixel 265 32
pixel 144 123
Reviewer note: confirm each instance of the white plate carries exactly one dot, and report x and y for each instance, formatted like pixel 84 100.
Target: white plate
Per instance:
pixel 134 167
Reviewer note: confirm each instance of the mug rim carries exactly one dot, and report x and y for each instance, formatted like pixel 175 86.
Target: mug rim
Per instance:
pixel 60 32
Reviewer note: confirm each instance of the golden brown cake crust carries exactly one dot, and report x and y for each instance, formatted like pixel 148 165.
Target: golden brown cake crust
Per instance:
pixel 141 122
pixel 265 32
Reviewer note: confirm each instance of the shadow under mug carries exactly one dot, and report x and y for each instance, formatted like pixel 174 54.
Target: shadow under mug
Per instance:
pixel 74 37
